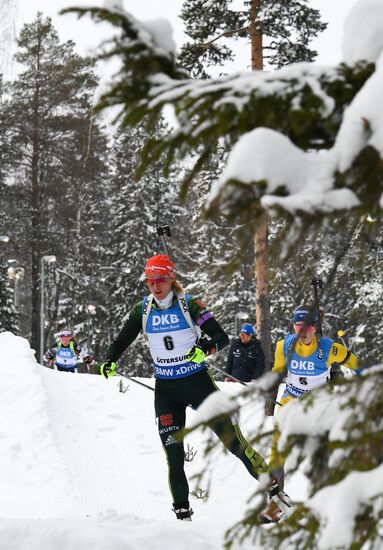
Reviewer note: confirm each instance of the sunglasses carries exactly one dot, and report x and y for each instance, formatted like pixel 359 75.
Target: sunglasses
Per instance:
pixel 157 281
pixel 302 328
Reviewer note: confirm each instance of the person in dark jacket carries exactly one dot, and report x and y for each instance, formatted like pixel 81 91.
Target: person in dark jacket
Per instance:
pixel 246 360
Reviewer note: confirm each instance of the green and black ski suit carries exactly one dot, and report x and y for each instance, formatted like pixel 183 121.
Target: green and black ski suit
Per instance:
pixel 180 383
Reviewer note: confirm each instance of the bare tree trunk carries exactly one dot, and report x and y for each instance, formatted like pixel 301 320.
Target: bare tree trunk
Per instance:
pixel 256 37
pixel 261 244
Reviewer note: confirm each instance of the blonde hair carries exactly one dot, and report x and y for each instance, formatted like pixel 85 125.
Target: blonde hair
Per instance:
pixel 177 287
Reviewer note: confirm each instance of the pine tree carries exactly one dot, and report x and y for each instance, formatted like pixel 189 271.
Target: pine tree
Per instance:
pixel 226 109
pixel 81 294
pixel 8 314
pixel 347 256
pixel 286 28
pixel 340 448
pixel 220 268
pixel 138 209
pixel 356 286
pixel 48 118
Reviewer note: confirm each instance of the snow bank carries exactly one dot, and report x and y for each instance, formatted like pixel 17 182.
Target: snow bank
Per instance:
pixel 34 478
pixel 82 466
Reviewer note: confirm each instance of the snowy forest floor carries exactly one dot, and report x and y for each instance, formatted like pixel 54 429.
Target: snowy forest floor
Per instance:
pixel 81 465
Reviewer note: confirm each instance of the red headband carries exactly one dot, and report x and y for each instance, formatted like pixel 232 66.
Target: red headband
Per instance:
pixel 159 264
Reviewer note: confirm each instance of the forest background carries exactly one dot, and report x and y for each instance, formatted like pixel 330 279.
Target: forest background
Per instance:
pixel 68 189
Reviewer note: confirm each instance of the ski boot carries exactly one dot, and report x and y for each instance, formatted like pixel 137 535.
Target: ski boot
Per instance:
pixel 183 511
pixel 272 514
pixel 279 504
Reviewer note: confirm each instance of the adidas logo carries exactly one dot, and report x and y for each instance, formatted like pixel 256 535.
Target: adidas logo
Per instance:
pixel 170 441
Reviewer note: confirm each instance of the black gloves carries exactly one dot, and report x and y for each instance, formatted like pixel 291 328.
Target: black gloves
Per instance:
pixel 339 371
pixel 336 371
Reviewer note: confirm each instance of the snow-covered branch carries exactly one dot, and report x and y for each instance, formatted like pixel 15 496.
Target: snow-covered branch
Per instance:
pixel 305 139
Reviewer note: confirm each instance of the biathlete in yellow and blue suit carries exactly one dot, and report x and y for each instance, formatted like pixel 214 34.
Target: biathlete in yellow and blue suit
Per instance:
pixel 310 361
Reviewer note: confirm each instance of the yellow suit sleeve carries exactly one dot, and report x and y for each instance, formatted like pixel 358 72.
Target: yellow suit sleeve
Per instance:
pixel 338 354
pixel 279 359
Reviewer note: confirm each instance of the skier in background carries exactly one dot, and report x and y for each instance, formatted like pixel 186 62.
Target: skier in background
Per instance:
pixel 64 353
pixel 172 323
pixel 310 361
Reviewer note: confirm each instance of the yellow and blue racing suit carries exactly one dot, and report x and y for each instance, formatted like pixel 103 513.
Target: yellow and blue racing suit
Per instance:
pixel 308 367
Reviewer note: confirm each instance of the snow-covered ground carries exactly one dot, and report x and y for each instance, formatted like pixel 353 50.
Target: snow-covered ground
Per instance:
pixel 81 465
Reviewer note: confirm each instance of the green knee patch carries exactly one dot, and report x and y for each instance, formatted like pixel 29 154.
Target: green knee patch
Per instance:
pixel 258 462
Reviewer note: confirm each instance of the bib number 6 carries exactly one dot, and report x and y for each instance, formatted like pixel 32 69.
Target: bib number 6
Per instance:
pixel 168 343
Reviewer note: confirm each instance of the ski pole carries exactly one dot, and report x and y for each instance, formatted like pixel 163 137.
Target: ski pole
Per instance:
pixel 141 383
pixel 340 335
pixel 217 368
pixel 317 283
pixel 243 383
pixel 164 231
pixel 228 375
pixel 134 380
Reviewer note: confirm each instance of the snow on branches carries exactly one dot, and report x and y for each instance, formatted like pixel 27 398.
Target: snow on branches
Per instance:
pixel 329 119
